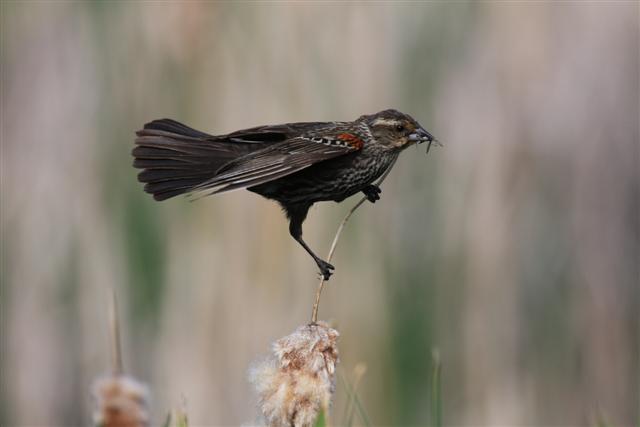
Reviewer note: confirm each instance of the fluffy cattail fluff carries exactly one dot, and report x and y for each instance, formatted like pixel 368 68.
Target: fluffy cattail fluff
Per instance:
pixel 120 401
pixel 298 380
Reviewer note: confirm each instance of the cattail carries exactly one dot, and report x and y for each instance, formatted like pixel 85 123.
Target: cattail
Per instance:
pixel 121 401
pixel 297 381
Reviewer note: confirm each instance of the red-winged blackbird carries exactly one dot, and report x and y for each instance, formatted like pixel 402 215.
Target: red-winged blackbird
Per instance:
pixel 295 164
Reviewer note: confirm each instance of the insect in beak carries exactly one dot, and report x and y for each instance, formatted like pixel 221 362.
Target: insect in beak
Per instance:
pixel 420 135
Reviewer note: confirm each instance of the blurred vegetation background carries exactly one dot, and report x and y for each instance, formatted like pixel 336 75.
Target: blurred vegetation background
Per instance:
pixel 513 250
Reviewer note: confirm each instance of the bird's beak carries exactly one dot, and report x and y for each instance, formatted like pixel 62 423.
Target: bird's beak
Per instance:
pixel 420 135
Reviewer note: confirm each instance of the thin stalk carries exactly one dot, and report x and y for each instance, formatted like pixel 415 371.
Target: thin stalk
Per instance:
pixel 358 373
pixel 316 304
pixel 436 390
pixel 114 326
pixel 356 400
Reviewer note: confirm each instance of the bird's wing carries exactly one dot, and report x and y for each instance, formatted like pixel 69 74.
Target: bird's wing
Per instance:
pixel 257 134
pixel 163 126
pixel 280 159
pixel 275 133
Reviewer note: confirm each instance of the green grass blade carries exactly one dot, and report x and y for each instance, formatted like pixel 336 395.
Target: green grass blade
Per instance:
pixel 321 421
pixel 436 390
pixel 181 419
pixel 167 421
pixel 357 404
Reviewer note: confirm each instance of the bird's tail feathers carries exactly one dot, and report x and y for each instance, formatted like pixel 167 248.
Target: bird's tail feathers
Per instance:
pixel 176 159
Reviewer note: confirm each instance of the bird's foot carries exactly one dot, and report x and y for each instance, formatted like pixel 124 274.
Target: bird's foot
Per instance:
pixel 372 192
pixel 325 269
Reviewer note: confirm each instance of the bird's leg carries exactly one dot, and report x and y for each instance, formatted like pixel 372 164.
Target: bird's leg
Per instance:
pixel 296 217
pixel 372 192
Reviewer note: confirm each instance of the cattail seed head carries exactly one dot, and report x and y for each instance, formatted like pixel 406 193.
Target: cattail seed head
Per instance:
pixel 121 401
pixel 298 380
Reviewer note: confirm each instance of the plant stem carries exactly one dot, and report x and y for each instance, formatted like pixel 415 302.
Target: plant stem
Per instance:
pixel 114 326
pixel 436 389
pixel 316 304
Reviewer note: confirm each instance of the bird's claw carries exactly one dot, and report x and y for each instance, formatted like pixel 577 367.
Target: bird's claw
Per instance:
pixel 325 269
pixel 372 192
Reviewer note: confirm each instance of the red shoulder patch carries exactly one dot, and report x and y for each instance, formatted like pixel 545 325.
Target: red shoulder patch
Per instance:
pixel 352 140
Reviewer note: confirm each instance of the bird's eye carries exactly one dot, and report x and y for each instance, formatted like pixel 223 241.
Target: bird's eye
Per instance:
pixel 399 128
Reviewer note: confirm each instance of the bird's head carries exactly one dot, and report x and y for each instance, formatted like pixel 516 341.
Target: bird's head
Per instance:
pixel 397 130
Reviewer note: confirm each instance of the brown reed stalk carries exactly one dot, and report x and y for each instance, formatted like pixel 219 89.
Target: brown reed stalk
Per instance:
pixel 316 304
pixel 120 400
pixel 114 328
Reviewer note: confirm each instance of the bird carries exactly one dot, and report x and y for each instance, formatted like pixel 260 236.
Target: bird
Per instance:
pixel 294 164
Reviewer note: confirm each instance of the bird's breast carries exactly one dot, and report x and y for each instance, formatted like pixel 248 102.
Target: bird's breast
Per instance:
pixel 334 179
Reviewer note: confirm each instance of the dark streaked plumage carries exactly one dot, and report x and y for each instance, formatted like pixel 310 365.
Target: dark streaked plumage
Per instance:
pixel 295 164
